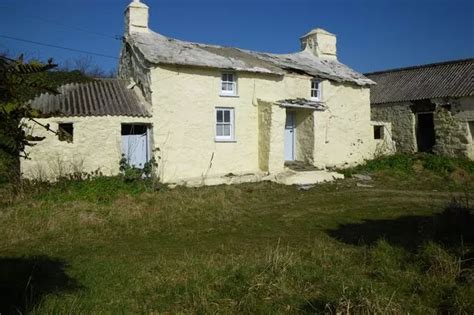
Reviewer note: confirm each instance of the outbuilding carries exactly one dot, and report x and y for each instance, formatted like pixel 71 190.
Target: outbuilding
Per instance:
pixel 430 107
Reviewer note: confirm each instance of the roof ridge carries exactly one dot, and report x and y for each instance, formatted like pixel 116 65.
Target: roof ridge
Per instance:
pixel 159 49
pixel 223 46
pixel 427 65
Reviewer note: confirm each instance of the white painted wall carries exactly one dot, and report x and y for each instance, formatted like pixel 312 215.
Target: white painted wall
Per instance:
pixel 184 101
pixel 96 146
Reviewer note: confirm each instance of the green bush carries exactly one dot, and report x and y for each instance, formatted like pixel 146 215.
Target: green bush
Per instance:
pixel 409 163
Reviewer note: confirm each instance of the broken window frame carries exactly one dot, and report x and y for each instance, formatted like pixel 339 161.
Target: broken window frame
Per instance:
pixel 316 90
pixel 224 122
pixel 66 132
pixel 228 80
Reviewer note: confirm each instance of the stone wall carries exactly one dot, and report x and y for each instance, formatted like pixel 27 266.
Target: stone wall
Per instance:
pixel 403 124
pixel 451 124
pixel 385 145
pixel 453 137
pixel 264 128
pixel 304 135
pixel 342 133
pixel 133 68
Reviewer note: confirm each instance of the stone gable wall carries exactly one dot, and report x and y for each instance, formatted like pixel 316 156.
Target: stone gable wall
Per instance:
pixel 403 124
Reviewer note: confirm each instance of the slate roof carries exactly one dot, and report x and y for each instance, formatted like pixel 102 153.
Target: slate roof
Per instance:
pixel 445 79
pixel 302 103
pixel 159 49
pixel 96 98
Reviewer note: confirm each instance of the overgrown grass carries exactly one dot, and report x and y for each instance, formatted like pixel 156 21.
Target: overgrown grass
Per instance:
pixel 105 246
pixel 420 171
pixel 411 164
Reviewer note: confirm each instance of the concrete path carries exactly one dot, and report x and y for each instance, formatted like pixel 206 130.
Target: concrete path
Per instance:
pixel 290 177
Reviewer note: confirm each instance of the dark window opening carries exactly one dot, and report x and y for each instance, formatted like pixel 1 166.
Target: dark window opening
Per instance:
pixel 425 133
pixel 129 129
pixel 65 132
pixel 378 132
pixel 471 129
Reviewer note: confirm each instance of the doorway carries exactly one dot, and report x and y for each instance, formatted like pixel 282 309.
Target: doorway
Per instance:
pixel 136 144
pixel 290 136
pixel 425 133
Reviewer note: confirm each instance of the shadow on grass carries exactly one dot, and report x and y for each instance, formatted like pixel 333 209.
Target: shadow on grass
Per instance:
pixel 24 281
pixel 452 227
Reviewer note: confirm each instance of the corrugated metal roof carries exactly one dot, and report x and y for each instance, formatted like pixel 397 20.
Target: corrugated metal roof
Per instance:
pixel 445 79
pixel 96 98
pixel 160 49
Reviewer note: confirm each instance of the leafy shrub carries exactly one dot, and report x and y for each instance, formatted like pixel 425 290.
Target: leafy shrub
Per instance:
pixel 131 173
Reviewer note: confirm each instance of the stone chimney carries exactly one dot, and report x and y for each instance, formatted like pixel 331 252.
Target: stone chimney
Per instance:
pixel 136 17
pixel 321 43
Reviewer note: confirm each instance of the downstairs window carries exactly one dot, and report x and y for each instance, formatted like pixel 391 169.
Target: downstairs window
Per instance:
pixel 224 124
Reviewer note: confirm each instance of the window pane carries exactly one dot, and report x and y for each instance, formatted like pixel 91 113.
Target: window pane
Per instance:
pixel 226 130
pixel 219 116
pixel 227 116
pixel 230 77
pixel 224 77
pixel 224 85
pixel 219 130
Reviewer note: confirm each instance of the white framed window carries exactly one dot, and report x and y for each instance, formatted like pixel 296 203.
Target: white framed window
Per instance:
pixel 225 124
pixel 315 90
pixel 228 84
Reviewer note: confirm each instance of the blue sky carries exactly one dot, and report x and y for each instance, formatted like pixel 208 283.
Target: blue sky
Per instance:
pixel 372 34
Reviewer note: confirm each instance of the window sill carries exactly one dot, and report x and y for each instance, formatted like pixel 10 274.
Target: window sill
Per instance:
pixel 228 95
pixel 315 99
pixel 225 140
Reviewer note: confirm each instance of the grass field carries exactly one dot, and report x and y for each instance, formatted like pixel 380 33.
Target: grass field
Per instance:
pixel 105 246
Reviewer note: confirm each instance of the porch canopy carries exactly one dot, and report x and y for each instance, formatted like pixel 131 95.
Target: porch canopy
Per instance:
pixel 302 103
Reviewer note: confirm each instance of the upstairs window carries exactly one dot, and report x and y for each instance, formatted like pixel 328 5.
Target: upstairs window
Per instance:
pixel 228 84
pixel 224 124
pixel 65 132
pixel 315 90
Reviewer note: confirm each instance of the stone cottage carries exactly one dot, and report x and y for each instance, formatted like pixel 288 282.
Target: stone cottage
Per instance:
pixel 430 107
pixel 205 111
